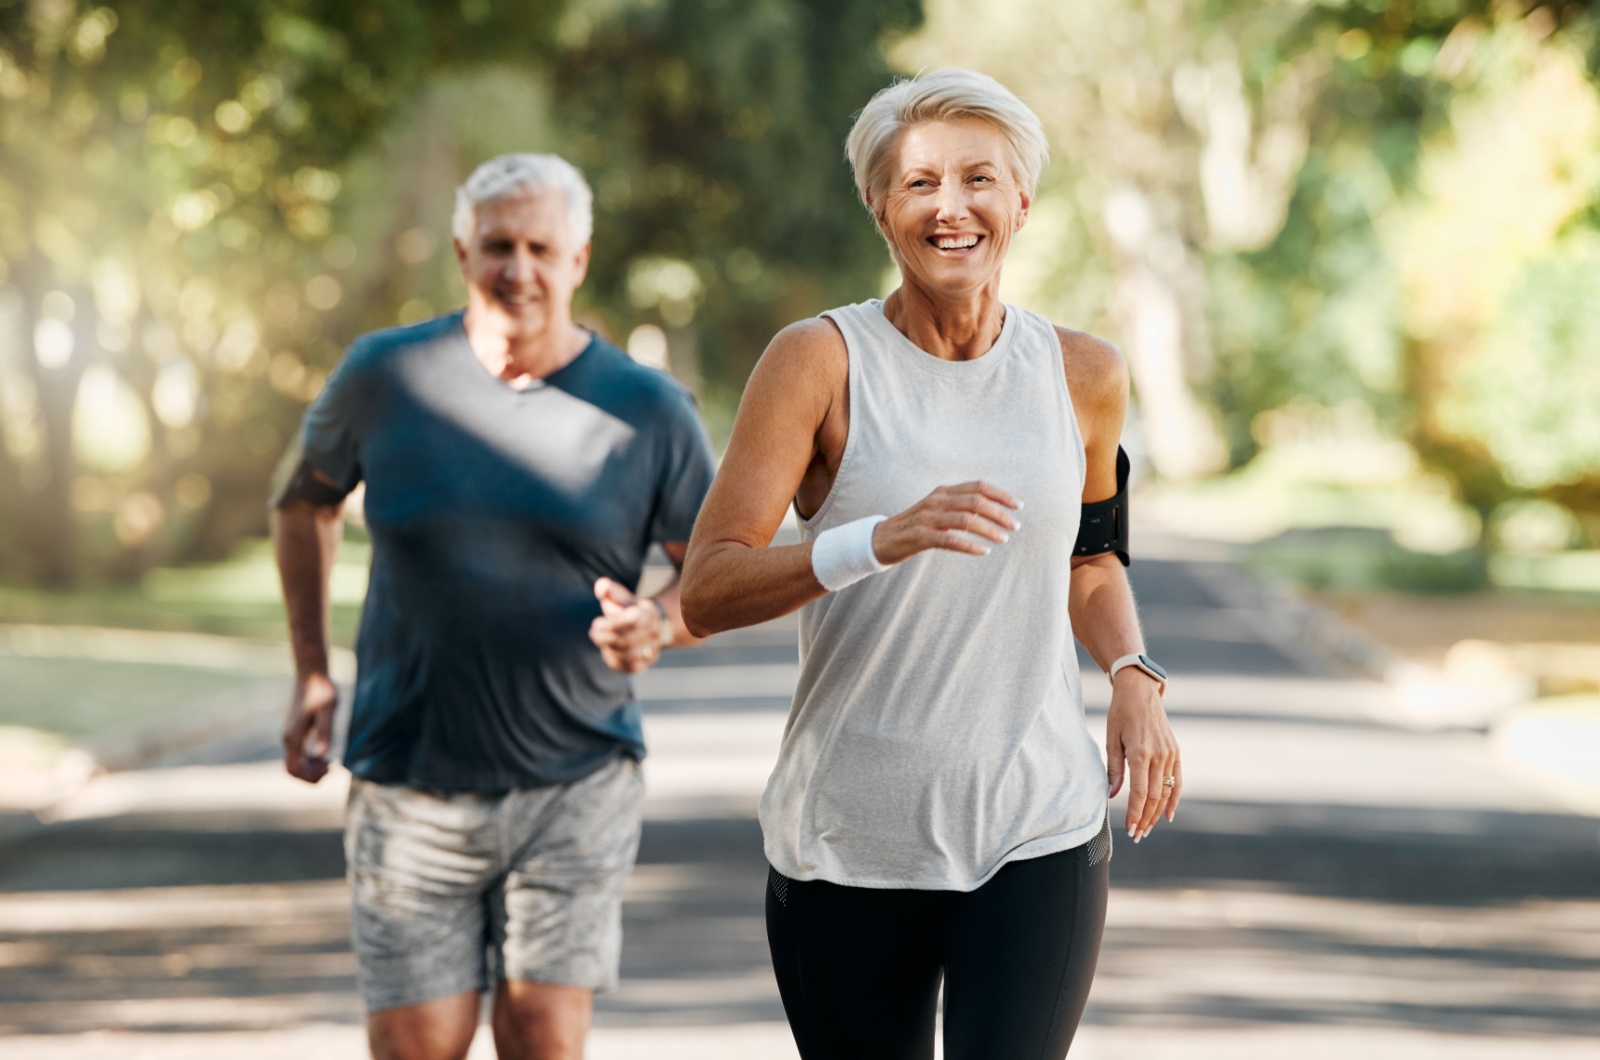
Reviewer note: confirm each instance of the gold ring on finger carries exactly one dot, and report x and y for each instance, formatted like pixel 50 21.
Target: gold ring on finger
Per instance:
pixel 1169 782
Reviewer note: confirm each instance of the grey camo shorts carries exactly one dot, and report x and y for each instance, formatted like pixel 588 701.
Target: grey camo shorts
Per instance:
pixel 451 892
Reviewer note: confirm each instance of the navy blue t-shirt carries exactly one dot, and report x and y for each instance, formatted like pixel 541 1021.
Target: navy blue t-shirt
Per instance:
pixel 492 511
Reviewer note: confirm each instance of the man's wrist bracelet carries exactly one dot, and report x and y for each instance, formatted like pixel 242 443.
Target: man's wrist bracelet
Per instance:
pixel 668 633
pixel 842 555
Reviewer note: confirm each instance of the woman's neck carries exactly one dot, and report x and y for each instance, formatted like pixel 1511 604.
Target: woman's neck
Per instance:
pixel 950 328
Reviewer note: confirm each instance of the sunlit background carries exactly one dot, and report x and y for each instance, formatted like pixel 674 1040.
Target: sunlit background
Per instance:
pixel 1350 249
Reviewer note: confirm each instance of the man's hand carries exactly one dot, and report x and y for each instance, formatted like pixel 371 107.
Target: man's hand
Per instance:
pixel 628 631
pixel 308 734
pixel 1139 738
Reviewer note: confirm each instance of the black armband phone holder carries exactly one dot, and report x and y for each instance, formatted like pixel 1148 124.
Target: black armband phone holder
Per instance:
pixel 1103 526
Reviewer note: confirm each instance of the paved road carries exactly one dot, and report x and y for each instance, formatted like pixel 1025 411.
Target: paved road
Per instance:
pixel 1336 885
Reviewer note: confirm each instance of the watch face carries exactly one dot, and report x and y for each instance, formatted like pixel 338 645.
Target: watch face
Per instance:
pixel 1153 666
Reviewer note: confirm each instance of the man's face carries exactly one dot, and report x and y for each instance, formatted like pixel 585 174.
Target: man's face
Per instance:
pixel 522 262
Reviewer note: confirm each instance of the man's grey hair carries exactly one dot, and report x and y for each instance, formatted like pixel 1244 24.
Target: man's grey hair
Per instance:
pixel 942 95
pixel 516 174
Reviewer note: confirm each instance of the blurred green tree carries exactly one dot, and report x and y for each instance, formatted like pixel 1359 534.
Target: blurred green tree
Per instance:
pixel 1444 217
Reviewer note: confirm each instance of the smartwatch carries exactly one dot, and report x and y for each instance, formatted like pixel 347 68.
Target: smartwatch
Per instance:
pixel 1143 662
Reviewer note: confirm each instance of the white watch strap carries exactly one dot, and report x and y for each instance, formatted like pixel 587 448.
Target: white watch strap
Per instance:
pixel 1131 659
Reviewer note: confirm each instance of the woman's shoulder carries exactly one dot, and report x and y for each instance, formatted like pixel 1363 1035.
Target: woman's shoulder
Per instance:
pixel 811 346
pixel 798 379
pixel 817 330
pixel 1095 369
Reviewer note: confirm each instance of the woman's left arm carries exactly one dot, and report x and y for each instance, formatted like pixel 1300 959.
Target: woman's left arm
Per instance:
pixel 1139 740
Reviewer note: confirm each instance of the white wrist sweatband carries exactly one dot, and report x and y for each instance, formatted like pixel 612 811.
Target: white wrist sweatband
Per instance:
pixel 843 555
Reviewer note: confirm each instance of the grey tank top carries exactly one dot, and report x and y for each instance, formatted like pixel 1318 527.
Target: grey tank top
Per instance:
pixel 937 730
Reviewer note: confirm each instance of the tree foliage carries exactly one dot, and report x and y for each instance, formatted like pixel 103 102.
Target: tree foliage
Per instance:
pixel 1390 202
pixel 1439 227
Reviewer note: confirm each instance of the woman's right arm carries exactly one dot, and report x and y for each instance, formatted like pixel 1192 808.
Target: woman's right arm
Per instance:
pixel 731 578
pixel 731 575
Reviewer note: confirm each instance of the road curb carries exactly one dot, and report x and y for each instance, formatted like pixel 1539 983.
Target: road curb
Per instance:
pixel 195 724
pixel 1307 631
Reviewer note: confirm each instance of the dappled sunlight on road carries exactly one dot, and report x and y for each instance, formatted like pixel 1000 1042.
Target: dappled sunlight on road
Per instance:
pixel 176 958
pixel 1235 957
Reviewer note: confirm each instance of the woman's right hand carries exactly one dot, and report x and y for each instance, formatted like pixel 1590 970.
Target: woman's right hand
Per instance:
pixel 953 518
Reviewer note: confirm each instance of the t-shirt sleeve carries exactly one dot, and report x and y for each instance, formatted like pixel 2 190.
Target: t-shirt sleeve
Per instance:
pixel 329 440
pixel 685 472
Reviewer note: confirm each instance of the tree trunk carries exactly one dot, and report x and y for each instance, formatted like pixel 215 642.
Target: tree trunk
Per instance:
pixel 54 557
pixel 1152 295
pixel 13 510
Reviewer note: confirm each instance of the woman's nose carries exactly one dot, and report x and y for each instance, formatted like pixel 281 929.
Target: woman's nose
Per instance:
pixel 952 203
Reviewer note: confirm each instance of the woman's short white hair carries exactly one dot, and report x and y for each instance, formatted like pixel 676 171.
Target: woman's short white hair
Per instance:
pixel 508 175
pixel 943 95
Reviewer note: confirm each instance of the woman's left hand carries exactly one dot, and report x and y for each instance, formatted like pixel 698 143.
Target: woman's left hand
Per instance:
pixel 1140 742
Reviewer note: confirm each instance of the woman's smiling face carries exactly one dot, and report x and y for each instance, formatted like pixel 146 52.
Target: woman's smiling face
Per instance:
pixel 951 204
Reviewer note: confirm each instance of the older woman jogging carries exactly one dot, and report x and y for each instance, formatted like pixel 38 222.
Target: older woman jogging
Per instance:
pixel 939 809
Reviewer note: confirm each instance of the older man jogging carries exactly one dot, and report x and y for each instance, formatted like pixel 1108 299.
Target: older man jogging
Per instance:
pixel 517 468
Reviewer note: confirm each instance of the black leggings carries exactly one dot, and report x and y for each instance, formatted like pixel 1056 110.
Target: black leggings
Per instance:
pixel 859 967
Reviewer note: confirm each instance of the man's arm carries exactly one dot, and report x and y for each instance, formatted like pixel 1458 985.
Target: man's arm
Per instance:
pixel 305 539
